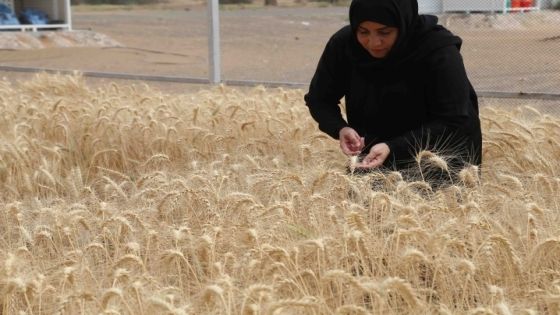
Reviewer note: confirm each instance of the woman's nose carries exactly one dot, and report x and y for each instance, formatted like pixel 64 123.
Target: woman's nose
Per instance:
pixel 374 42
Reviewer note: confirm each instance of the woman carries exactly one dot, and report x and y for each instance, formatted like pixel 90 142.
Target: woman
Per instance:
pixel 405 89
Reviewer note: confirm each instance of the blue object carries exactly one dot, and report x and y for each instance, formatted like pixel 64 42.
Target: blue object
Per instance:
pixel 34 17
pixel 5 9
pixel 8 19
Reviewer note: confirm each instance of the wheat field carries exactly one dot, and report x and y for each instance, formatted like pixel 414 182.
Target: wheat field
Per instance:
pixel 124 200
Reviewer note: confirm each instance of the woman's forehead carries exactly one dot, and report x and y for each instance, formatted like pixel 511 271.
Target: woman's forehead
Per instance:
pixel 373 26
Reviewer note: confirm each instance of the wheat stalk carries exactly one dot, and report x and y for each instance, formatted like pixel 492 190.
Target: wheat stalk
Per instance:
pixel 126 200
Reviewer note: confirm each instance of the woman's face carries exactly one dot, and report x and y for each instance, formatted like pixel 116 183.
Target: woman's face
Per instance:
pixel 376 38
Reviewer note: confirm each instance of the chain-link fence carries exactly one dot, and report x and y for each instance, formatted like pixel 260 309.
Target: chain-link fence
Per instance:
pixel 511 52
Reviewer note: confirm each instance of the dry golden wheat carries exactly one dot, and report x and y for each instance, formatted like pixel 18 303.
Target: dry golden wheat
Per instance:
pixel 124 200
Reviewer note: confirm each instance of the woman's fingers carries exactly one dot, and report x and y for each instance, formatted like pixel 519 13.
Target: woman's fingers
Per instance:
pixel 358 144
pixel 371 161
pixel 350 141
pixel 376 157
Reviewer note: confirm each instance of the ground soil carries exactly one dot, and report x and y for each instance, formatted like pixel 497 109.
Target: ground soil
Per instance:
pixel 512 52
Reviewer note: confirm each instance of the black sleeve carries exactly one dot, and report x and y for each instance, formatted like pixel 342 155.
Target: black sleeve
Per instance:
pixel 450 109
pixel 326 89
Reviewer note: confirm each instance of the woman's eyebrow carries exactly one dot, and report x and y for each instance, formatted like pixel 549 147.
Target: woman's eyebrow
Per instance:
pixel 385 28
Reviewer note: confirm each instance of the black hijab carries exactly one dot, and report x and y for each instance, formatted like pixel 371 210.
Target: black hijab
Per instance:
pixel 418 34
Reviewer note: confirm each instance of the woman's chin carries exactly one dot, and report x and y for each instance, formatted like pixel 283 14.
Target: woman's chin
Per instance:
pixel 378 55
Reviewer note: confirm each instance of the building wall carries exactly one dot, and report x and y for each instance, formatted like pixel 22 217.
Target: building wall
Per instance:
pixel 430 6
pixel 548 4
pixel 474 5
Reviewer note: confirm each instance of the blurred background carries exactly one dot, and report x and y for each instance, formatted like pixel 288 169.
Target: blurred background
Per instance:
pixel 510 47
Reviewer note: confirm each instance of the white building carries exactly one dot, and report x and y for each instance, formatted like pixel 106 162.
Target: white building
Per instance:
pixel 442 6
pixel 58 12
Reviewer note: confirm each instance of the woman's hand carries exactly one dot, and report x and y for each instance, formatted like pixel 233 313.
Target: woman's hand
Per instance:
pixel 377 155
pixel 350 141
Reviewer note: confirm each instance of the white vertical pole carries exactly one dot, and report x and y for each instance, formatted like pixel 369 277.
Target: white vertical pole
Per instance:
pixel 214 41
pixel 68 14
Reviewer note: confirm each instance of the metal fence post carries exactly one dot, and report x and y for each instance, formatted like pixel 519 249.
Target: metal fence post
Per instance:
pixel 214 41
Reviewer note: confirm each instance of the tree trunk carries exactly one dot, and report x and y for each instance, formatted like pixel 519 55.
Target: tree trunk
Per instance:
pixel 271 2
